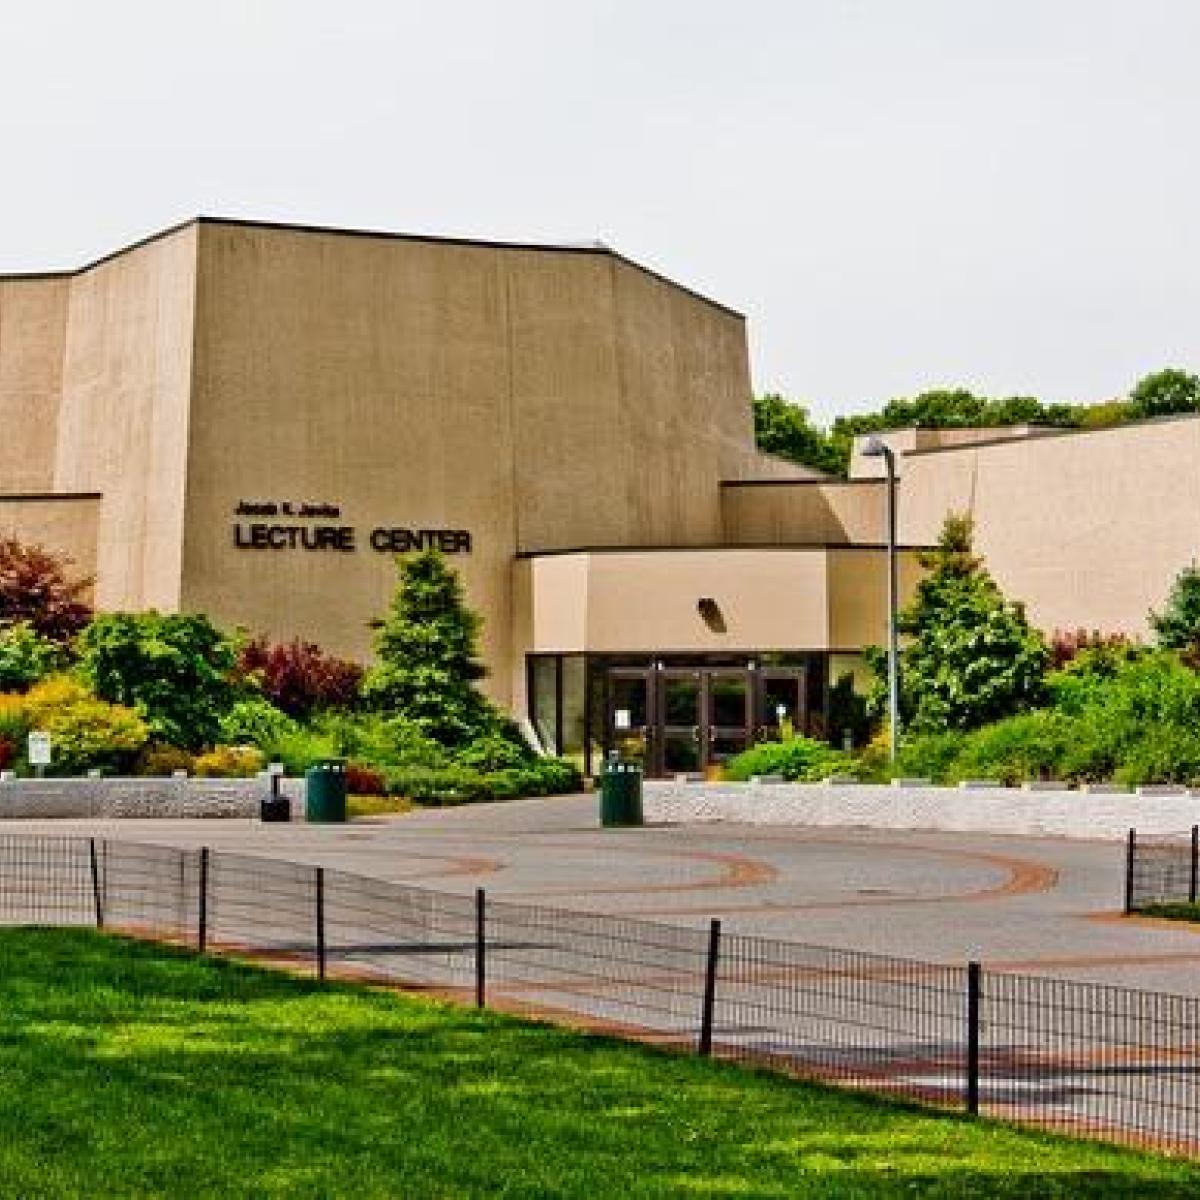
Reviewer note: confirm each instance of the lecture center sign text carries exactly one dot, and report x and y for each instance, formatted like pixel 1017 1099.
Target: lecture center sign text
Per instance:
pixel 274 525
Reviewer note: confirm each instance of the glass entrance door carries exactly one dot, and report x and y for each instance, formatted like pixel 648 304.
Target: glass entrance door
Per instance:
pixel 781 709
pixel 680 722
pixel 727 715
pixel 628 727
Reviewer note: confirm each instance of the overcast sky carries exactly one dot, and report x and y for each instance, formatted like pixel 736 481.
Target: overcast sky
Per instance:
pixel 997 193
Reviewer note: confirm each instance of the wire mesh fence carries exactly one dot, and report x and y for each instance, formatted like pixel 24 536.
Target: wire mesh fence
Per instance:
pixel 1085 1058
pixel 1161 870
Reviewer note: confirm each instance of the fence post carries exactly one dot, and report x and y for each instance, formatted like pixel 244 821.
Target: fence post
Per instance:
pixel 1195 864
pixel 1130 852
pixel 320 922
pixel 710 988
pixel 974 993
pixel 202 909
pixel 480 948
pixel 96 883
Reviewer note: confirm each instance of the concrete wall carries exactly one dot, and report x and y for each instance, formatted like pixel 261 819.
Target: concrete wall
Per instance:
pixel 536 398
pixel 122 428
pixel 66 524
pixel 1089 529
pixel 834 512
pixel 33 323
pixel 371 374
pixel 647 600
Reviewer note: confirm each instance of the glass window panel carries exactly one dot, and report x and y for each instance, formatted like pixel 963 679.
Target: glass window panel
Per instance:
pixel 542 703
pixel 628 695
pixel 681 700
pixel 681 752
pixel 727 700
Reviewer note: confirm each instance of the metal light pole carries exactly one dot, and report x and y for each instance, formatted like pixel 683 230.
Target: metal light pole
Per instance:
pixel 876 447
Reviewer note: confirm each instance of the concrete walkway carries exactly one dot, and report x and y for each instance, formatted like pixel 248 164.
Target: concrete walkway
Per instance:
pixel 1031 904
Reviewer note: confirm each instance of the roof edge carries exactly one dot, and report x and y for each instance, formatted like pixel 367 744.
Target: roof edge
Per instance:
pixel 597 248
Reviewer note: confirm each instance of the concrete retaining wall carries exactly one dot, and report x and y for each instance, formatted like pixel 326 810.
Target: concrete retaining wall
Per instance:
pixel 1029 812
pixel 41 798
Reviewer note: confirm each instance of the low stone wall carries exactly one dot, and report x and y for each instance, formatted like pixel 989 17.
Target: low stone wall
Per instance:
pixel 1030 812
pixel 43 798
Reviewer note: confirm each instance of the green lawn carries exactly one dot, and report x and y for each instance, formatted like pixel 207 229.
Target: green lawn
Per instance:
pixel 129 1070
pixel 1175 910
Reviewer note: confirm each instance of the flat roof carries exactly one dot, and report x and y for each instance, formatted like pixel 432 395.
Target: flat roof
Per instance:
pixel 767 547
pixel 1049 433
pixel 594 248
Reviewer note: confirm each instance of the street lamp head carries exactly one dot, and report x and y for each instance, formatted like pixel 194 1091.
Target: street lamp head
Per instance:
pixel 875 447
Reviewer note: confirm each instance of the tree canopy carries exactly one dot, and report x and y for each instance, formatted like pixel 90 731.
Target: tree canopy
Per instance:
pixel 1177 627
pixel 786 429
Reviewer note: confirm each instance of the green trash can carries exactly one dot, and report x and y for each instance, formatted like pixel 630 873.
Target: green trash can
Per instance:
pixel 325 791
pixel 620 793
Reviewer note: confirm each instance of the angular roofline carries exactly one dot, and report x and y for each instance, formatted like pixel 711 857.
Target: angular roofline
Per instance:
pixel 1051 433
pixel 597 248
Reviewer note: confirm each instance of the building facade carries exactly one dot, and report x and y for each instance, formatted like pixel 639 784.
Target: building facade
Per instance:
pixel 252 420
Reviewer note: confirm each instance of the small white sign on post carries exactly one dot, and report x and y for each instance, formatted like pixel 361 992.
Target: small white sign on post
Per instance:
pixel 39 748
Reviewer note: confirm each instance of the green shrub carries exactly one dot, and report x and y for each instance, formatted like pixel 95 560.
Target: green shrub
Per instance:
pixel 1162 753
pixel 930 756
pixel 298 750
pixel 175 669
pixel 441 787
pixel 541 777
pixel 229 762
pixel 254 721
pixel 1029 746
pixel 382 742
pixel 502 750
pixel 26 657
pixel 798 758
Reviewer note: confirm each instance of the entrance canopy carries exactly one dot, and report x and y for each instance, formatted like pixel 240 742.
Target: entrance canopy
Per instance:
pixel 711 600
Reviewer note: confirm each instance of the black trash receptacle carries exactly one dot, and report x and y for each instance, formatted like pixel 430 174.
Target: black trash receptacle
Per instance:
pixel 620 793
pixel 325 791
pixel 275 805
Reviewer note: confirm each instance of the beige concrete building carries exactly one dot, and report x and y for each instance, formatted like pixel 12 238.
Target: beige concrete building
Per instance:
pixel 251 420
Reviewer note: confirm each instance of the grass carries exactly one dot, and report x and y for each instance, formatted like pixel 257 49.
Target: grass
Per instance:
pixel 130 1070
pixel 377 806
pixel 1175 910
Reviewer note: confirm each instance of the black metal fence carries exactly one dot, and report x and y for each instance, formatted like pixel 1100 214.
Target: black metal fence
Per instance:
pixel 1161 870
pixel 1082 1057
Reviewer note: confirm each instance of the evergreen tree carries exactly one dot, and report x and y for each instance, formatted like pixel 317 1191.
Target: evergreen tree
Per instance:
pixel 1177 627
pixel 426 651
pixel 971 656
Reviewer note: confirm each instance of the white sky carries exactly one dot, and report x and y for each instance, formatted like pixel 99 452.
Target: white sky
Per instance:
pixel 898 193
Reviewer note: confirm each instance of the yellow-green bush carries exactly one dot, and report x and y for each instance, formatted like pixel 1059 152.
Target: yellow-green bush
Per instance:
pixel 84 732
pixel 229 762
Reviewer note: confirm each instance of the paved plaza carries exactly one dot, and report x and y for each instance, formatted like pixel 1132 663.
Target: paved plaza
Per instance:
pixel 1029 904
